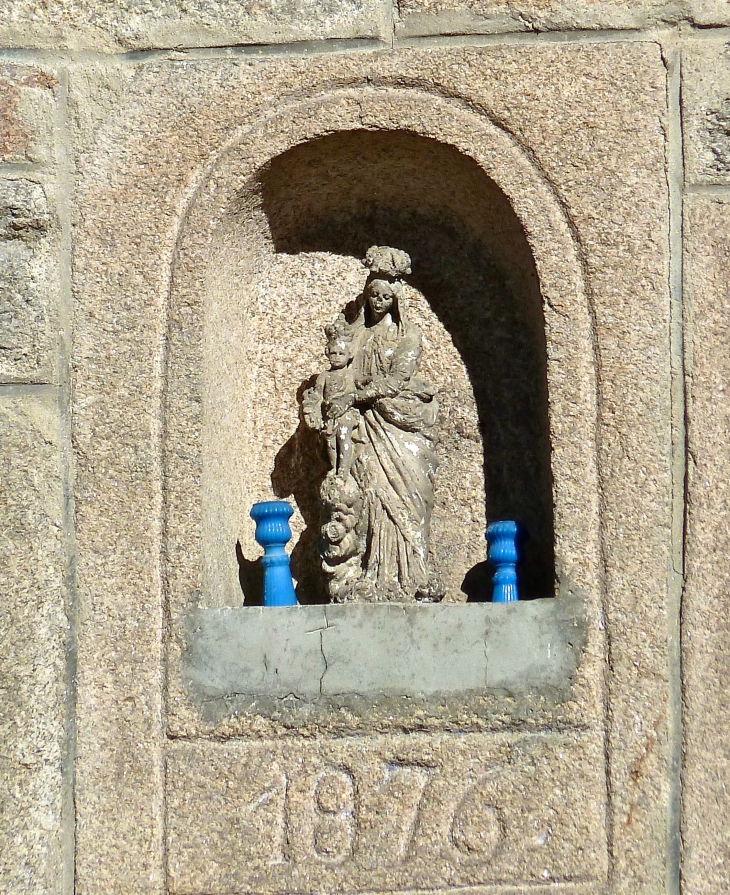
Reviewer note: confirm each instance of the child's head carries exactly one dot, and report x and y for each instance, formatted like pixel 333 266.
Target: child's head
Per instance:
pixel 339 345
pixel 339 353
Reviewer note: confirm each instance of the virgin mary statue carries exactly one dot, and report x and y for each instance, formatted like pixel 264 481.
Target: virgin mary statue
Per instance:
pixel 378 503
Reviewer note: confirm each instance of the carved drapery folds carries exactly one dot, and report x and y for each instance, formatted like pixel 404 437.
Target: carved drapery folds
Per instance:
pixel 378 417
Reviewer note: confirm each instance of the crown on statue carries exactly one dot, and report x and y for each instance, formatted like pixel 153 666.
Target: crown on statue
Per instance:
pixel 386 262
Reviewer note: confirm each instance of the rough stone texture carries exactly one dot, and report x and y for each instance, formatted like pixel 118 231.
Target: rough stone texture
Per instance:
pixel 425 17
pixel 33 632
pixel 705 661
pixel 379 814
pixel 24 212
pixel 29 283
pixel 28 97
pixel 140 165
pixel 140 24
pixel 401 651
pixel 706 112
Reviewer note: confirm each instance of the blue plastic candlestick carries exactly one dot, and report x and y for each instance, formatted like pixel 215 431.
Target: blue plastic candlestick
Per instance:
pixel 502 538
pixel 272 533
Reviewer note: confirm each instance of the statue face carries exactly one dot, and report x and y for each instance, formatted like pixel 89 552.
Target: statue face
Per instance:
pixel 380 298
pixel 338 354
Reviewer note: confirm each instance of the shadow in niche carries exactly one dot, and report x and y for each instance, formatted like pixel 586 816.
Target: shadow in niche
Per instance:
pixel 343 193
pixel 477 583
pixel 299 470
pixel 251 578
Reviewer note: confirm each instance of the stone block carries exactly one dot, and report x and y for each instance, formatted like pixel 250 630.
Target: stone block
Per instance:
pixel 257 651
pixel 216 296
pixel 137 25
pixel 430 17
pixel 28 99
pixel 371 650
pixel 29 283
pixel 706 628
pixel 24 211
pixel 386 814
pixel 706 113
pixel 34 696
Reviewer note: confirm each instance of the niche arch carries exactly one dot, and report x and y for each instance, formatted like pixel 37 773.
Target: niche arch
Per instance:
pixel 263 198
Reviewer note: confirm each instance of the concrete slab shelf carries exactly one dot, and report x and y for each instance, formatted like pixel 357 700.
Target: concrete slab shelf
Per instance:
pixel 384 649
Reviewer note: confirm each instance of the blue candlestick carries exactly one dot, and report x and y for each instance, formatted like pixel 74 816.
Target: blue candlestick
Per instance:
pixel 272 533
pixel 502 540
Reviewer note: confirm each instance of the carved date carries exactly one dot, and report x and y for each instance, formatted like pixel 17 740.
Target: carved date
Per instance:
pixel 387 816
pixel 398 813
pixel 267 814
pixel 476 829
pixel 334 806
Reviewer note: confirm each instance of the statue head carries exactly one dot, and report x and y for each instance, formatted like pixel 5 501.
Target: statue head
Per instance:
pixel 339 344
pixel 384 288
pixel 383 297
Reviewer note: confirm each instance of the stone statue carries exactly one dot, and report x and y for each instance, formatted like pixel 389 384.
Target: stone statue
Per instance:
pixel 378 418
pixel 329 408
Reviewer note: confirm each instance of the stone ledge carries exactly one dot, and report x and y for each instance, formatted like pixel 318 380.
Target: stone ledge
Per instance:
pixel 463 18
pixel 123 26
pixel 384 649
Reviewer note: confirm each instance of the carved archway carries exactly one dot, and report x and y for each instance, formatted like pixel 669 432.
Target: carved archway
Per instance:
pixel 230 234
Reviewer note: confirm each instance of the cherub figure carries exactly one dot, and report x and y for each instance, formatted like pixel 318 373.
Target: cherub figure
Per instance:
pixel 343 538
pixel 328 405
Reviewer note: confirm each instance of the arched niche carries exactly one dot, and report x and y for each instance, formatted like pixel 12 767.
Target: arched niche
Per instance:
pixel 484 338
pixel 269 253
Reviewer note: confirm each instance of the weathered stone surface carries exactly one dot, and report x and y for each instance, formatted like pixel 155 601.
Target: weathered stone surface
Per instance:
pixel 427 17
pixel 34 698
pixel 138 24
pixel 385 813
pixel 706 113
pixel 571 106
pixel 706 628
pixel 29 283
pixel 256 651
pixel 24 211
pixel 27 113
pixel 405 651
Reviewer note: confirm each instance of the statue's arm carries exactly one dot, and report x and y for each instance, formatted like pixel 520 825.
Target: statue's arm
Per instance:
pixel 312 404
pixel 403 366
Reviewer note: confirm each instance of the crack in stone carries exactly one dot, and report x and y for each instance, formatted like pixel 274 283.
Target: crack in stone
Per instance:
pixel 321 648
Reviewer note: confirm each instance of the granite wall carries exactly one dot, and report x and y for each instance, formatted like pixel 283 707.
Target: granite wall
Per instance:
pixel 185 191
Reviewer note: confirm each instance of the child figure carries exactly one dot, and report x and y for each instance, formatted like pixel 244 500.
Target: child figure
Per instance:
pixel 328 405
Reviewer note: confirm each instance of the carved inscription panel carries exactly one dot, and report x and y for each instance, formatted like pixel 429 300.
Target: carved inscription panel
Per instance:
pixel 373 814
